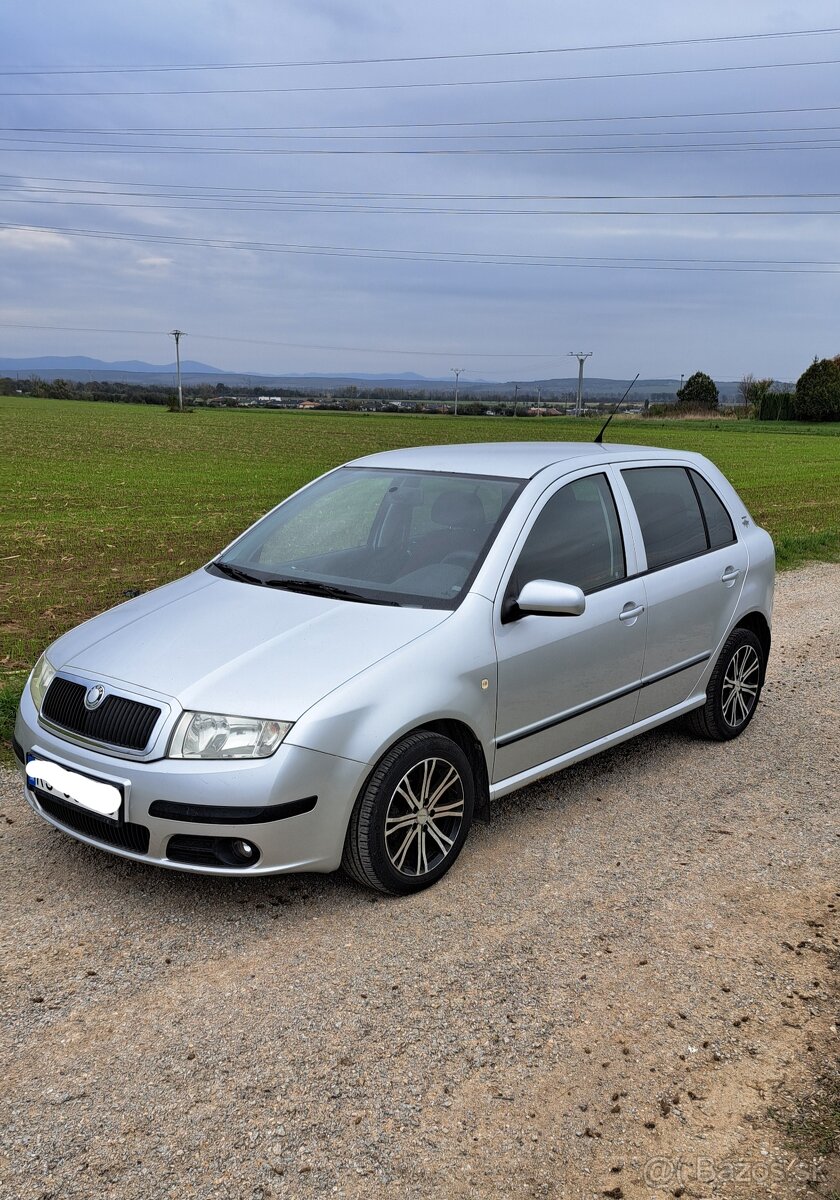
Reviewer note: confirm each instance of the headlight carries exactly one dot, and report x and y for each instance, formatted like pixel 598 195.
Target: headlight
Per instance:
pixel 211 735
pixel 40 679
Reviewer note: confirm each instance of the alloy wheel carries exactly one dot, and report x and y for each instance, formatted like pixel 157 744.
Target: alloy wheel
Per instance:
pixel 424 816
pixel 740 685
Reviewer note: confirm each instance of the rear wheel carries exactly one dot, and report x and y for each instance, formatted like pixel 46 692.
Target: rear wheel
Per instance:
pixel 413 817
pixel 734 689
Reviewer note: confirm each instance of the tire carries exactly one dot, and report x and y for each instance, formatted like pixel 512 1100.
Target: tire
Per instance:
pixel 733 691
pixel 395 843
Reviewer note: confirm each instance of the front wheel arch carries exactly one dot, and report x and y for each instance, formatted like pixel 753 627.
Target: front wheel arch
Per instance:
pixel 462 735
pixel 369 855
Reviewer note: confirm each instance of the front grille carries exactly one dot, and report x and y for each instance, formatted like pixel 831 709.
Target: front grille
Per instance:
pixel 126 836
pixel 117 721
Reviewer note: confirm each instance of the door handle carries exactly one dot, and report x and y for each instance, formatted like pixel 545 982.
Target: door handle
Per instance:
pixel 631 611
pixel 730 575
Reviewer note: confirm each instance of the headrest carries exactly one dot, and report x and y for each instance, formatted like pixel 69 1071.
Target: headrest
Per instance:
pixel 458 510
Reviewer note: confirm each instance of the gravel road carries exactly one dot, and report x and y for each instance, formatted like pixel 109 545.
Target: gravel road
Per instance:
pixel 625 969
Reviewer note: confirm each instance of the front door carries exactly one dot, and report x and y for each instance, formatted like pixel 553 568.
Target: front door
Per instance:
pixel 565 681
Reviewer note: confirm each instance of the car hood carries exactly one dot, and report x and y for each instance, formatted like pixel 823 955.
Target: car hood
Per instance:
pixel 219 645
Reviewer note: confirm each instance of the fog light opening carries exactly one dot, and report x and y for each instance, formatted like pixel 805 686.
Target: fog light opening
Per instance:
pixel 207 851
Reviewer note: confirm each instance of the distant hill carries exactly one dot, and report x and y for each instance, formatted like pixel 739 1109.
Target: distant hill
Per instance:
pixel 82 369
pixel 103 370
pixel 405 376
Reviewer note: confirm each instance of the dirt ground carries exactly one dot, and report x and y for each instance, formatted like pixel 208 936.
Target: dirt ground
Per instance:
pixel 624 988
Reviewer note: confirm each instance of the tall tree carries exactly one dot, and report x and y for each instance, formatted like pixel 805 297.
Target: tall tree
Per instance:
pixel 818 391
pixel 698 391
pixel 752 391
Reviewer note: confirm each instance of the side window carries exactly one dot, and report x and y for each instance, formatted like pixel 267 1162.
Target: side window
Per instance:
pixel 718 521
pixel 575 539
pixel 668 512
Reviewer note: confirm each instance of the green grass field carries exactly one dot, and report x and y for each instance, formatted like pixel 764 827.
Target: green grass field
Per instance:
pixel 99 499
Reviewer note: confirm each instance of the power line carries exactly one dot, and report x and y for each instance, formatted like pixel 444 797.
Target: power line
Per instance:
pixel 459 83
pixel 49 147
pixel 214 189
pixel 402 210
pixel 458 257
pixel 400 137
pixel 256 129
pixel 188 129
pixel 341 62
pixel 156 333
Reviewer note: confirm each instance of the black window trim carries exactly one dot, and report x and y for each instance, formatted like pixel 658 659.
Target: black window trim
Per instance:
pixel 691 473
pixel 685 557
pixel 702 510
pixel 621 468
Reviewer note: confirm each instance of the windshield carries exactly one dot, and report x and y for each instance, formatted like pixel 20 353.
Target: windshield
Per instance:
pixel 380 536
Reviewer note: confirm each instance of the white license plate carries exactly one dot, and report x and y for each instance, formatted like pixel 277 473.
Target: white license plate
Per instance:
pixel 95 795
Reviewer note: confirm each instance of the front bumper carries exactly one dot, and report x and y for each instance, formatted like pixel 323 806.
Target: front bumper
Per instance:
pixel 287 838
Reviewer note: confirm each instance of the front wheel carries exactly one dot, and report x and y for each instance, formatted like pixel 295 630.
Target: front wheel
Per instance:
pixel 734 689
pixel 413 817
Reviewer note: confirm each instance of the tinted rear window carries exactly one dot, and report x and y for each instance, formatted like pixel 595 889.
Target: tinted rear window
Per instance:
pixel 718 521
pixel 669 514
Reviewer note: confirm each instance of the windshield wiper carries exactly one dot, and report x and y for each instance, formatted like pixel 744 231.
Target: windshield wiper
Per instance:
pixel 314 587
pixel 237 573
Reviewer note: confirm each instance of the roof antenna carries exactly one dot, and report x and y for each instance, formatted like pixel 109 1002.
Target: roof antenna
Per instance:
pixel 600 436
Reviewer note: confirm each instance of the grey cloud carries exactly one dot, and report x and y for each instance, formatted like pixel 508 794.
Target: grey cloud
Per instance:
pixel 658 322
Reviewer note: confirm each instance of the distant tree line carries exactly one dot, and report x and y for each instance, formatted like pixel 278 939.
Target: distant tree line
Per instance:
pixel 348 396
pixel 113 392
pixel 816 396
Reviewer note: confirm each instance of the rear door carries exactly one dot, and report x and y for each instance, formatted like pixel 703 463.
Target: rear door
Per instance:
pixel 694 572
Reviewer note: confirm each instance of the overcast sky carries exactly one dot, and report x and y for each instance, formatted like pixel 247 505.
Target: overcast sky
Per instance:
pixel 375 226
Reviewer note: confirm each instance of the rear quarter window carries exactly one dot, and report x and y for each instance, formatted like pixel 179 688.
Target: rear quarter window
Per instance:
pixel 718 521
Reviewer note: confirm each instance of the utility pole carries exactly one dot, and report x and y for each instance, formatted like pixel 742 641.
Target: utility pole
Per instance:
pixel 515 398
pixel 581 357
pixel 456 371
pixel 539 397
pixel 178 334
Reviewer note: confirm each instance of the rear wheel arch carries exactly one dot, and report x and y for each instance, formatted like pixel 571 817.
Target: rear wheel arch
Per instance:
pixel 758 624
pixel 734 688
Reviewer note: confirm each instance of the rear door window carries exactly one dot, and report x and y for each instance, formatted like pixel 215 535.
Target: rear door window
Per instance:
pixel 669 514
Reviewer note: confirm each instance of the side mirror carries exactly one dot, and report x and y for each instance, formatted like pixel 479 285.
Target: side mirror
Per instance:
pixel 549 597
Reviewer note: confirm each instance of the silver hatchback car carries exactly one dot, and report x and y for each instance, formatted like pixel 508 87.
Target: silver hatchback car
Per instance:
pixel 410 636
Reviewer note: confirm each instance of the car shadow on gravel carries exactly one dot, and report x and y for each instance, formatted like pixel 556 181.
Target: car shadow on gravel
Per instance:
pixel 574 784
